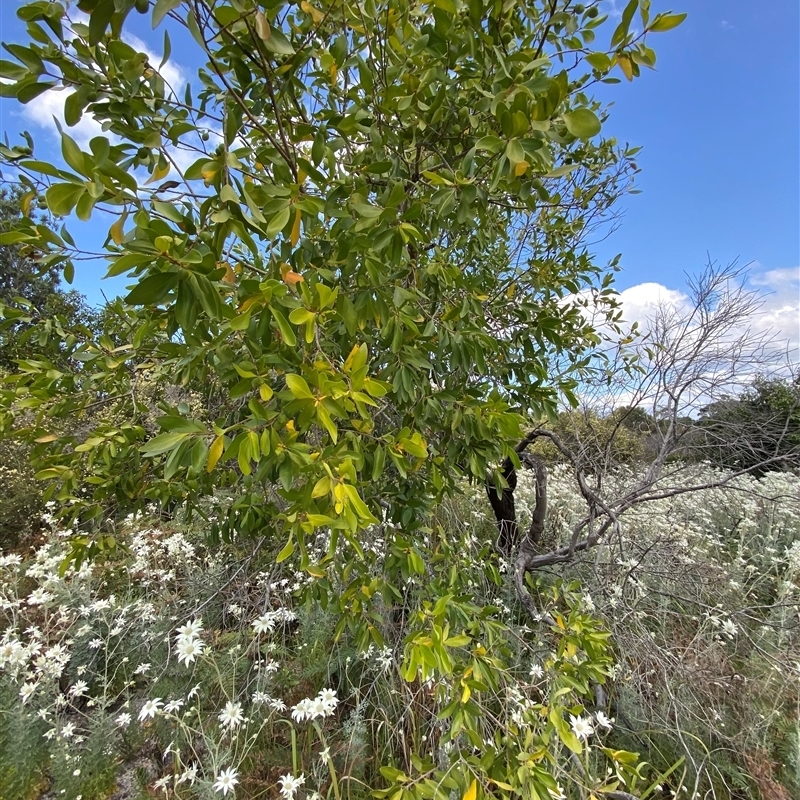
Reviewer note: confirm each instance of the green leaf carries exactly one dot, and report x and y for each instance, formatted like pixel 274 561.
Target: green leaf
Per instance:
pixel 414 446
pixel 278 222
pixel 167 49
pixel 287 550
pixel 30 91
pixel 324 419
pixel 284 327
pixel 162 443
pixel 128 262
pixel 600 61
pixel 62 197
pixel 301 315
pixel 298 387
pixel 278 43
pixel 582 123
pixel 180 424
pixel 162 8
pixel 622 29
pixel 367 211
pixel 228 194
pixel 514 151
pixel 73 109
pixel 152 289
pixel 666 22
pixel 72 154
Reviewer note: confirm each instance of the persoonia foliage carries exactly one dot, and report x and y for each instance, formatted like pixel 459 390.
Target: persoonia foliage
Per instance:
pixel 359 233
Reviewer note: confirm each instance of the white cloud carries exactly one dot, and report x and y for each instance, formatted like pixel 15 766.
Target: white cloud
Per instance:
pixel 50 106
pixel 778 291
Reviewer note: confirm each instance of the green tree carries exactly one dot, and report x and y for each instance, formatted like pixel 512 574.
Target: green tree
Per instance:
pixel 30 293
pixel 757 431
pixel 375 264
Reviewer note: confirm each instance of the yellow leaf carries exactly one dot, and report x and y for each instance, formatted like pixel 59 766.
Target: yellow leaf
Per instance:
pixel 214 452
pixel 249 302
pixel 25 203
pixel 159 173
pixel 521 168
pixel 626 66
pixel 230 276
pixel 472 792
pixel 295 234
pixel 291 278
pixel 265 392
pixel 50 437
pixel 316 14
pixel 288 549
pixel 208 174
pixel 262 26
pixel 116 231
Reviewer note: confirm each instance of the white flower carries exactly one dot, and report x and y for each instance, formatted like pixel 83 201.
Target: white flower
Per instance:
pixel 191 630
pixel 189 774
pixel 603 721
pixel 557 793
pixel 150 709
pixel 302 711
pixel 26 692
pixel 189 649
pixel 317 708
pixel 172 706
pixel 729 628
pixel 162 783
pixel 329 698
pixel 142 668
pixel 581 727
pixel 264 624
pixel 537 671
pixel 95 644
pixel 385 659
pixel 68 730
pixel 231 716
pixel 123 720
pixel 226 780
pixel 39 597
pixel 78 689
pixel 290 785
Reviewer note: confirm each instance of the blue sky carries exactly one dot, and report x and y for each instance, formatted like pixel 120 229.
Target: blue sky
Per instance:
pixel 719 123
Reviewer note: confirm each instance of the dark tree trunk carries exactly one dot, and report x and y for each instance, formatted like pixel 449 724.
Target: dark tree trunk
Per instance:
pixel 505 512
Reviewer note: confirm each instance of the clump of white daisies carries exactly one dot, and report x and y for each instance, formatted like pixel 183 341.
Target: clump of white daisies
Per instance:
pixel 319 707
pixel 188 642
